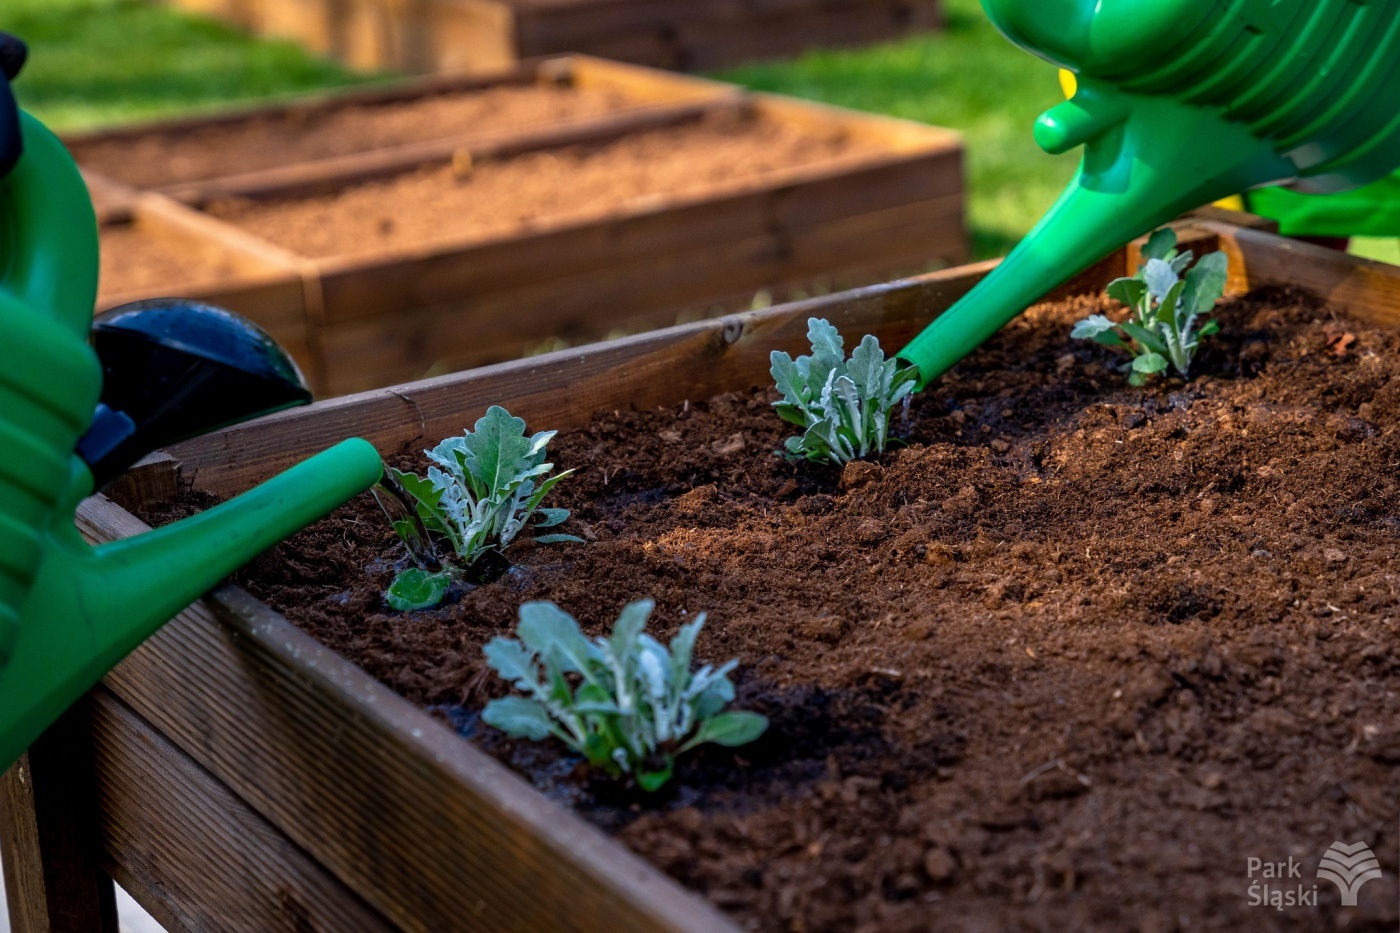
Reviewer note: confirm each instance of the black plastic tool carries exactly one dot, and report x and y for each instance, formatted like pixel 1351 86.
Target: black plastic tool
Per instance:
pixel 174 369
pixel 13 53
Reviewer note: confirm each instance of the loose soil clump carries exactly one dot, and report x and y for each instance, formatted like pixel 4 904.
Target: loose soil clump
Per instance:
pixel 499 198
pixel 1066 661
pixel 266 141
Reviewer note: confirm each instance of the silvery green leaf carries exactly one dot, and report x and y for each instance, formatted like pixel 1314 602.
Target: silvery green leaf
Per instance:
pixel 788 379
pixel 519 717
pixel 497 448
pixel 828 351
pixel 866 368
pixel 683 646
pixel 1205 284
pixel 1159 278
pixel 415 589
pixel 1181 262
pixel 655 672
pixel 559 539
pixel 1167 312
pixel 508 657
pixel 545 628
pixel 630 623
pixel 1150 364
pixel 1211 328
pixel 1145 337
pixel 1130 292
pixel 792 414
pixel 549 518
pixel 1160 244
pixel 731 730
pixel 1092 327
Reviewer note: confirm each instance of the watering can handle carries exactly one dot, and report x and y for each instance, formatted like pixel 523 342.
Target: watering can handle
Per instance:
pixel 48 232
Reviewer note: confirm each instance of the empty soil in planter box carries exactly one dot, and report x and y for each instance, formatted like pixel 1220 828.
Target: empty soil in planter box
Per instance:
pixel 265 141
pixel 1066 661
pixel 136 261
pixel 513 195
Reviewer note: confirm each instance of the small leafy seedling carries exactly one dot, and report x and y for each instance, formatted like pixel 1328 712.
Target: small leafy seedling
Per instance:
pixel 842 406
pixel 1167 319
pixel 482 491
pixel 626 703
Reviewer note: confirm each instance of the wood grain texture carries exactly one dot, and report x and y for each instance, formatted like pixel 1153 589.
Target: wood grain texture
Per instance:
pixel 428 831
pixel 1365 288
pixel 565 389
pixel 48 819
pixel 195 855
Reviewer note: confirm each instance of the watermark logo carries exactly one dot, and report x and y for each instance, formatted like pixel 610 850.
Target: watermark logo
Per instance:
pixel 1349 867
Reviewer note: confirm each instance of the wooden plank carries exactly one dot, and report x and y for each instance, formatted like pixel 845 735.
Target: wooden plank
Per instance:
pixel 315 104
pixel 191 852
pixel 1365 288
pixel 48 818
pixel 323 176
pixel 429 831
pixel 659 368
pixel 470 36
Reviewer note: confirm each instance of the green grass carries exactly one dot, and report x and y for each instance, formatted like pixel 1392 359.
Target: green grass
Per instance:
pixel 968 78
pixel 96 62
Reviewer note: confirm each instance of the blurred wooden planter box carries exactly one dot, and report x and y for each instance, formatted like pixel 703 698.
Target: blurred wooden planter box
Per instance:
pixel 330 136
pixel 245 778
pixel 892 204
pixel 153 247
pixel 482 35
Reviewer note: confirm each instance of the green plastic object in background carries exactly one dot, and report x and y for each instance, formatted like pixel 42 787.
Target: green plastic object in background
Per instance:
pixel 68 611
pixel 1181 103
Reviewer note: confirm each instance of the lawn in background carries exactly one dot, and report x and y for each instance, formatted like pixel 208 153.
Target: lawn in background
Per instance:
pixel 968 78
pixel 96 62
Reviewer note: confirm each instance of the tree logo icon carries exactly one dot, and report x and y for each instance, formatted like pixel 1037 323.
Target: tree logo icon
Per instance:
pixel 1349 867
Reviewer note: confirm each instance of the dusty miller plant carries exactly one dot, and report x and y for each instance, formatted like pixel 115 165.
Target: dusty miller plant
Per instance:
pixel 481 492
pixel 627 703
pixel 1168 301
pixel 842 406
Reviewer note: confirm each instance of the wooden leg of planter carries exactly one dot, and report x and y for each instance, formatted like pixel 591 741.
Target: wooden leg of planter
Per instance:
pixel 47 833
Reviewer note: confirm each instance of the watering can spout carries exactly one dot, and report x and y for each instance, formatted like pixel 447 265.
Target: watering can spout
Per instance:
pixel 1146 164
pixel 1180 103
pixel 91 606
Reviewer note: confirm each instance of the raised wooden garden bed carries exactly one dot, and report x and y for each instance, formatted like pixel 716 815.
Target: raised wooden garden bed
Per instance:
pixel 483 35
pixel 1050 752
pixel 656 196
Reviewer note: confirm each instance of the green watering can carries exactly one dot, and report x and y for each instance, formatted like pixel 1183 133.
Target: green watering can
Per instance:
pixel 1181 103
pixel 68 611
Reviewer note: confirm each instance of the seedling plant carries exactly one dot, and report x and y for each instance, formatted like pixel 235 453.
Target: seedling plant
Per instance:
pixel 483 490
pixel 1168 300
pixel 627 703
pixel 843 406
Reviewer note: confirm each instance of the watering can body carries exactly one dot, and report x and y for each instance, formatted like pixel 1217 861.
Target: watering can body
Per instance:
pixel 68 611
pixel 1180 103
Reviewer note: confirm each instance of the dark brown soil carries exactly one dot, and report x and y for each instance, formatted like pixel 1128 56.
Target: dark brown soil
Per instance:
pixel 159 159
pixel 499 198
pixel 1066 661
pixel 133 261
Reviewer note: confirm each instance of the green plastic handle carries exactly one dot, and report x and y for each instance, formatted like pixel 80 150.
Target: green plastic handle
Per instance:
pixel 1180 103
pixel 69 612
